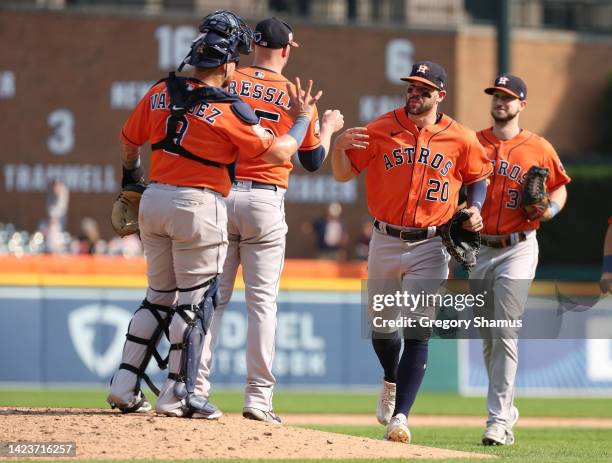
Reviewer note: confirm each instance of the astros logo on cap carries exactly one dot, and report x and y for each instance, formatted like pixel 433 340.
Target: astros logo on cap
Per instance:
pixel 502 81
pixel 423 68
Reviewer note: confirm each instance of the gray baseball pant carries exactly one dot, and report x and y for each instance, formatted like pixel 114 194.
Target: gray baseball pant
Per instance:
pixel 184 236
pixel 506 275
pixel 257 233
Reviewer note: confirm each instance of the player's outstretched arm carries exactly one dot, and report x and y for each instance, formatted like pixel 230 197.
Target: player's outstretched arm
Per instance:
pixel 353 138
pixel 303 104
pixel 557 202
pixel 313 159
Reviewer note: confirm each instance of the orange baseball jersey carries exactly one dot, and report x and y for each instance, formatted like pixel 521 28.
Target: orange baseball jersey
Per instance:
pixel 266 92
pixel 414 176
pixel 511 159
pixel 212 131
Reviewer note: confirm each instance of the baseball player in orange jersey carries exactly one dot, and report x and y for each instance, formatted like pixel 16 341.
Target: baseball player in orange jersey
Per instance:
pixel 197 130
pixel 416 160
pixel 256 216
pixel 509 255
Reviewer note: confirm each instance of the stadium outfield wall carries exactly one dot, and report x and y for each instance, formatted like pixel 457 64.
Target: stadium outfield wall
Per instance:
pixel 67 326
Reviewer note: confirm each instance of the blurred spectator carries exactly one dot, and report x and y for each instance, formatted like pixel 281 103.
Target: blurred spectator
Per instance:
pixel 51 239
pixel 53 234
pixel 330 234
pixel 362 246
pixel 58 197
pixel 88 237
pixel 128 246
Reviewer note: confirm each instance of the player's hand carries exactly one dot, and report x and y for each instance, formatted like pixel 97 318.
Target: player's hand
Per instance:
pixel 353 138
pixel 303 103
pixel 474 223
pixel 332 120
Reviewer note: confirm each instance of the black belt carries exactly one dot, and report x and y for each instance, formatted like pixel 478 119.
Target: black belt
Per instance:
pixel 504 241
pixel 404 235
pixel 259 186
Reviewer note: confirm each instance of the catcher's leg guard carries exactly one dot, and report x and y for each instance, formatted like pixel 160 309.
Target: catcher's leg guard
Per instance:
pixel 148 324
pixel 198 318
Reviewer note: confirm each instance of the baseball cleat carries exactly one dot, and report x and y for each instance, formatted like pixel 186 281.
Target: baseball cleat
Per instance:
pixel 397 430
pixel 495 434
pixel 204 410
pixel 386 403
pixel 138 404
pixel 514 416
pixel 251 413
pixel 198 408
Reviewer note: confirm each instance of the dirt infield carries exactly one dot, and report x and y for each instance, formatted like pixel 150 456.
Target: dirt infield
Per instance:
pixel 104 434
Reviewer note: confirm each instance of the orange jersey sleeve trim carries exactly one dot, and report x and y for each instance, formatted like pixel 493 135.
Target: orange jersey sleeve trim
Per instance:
pixel 482 177
pixel 124 138
pixel 559 185
pixel 309 147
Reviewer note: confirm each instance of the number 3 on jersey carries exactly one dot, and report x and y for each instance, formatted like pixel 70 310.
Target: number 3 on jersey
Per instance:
pixel 267 115
pixel 514 198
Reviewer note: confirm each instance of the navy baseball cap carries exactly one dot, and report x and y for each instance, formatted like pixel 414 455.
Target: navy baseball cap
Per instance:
pixel 274 33
pixel 510 84
pixel 429 73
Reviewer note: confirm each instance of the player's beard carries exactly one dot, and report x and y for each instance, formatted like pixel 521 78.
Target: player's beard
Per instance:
pixel 423 107
pixel 505 118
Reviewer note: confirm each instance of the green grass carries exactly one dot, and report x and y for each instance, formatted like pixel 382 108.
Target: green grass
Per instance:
pixel 323 402
pixel 537 445
pixel 533 444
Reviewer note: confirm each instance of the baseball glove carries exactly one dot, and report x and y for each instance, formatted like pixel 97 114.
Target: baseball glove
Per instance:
pixel 124 216
pixel 534 199
pixel 462 244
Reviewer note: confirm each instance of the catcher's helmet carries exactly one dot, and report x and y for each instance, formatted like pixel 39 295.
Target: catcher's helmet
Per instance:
pixel 224 36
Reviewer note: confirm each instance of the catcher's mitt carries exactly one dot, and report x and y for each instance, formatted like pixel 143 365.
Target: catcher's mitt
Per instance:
pixel 462 244
pixel 534 199
pixel 124 217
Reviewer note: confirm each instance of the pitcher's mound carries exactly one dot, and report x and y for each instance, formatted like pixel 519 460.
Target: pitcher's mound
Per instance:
pixel 104 434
